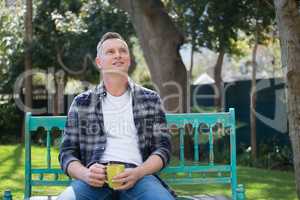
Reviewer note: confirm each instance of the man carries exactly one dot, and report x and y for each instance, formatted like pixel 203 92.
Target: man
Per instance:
pixel 118 121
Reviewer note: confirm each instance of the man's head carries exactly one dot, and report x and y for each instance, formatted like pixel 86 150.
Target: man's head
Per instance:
pixel 107 36
pixel 113 53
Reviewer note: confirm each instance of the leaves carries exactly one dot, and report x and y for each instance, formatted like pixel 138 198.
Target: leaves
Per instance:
pixel 11 43
pixel 217 24
pixel 67 33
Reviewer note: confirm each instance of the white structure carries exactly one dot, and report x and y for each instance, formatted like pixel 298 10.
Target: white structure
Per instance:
pixel 204 79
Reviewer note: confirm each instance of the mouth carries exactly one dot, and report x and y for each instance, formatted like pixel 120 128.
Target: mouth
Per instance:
pixel 118 63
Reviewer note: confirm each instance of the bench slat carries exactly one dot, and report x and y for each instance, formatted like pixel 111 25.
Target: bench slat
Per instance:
pixel 211 147
pixel 188 181
pixel 46 171
pixel 196 118
pixel 196 143
pixel 181 135
pixel 51 183
pixel 48 122
pixel 49 149
pixel 186 169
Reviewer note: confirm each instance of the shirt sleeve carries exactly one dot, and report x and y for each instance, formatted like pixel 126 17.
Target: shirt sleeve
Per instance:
pixel 69 148
pixel 161 140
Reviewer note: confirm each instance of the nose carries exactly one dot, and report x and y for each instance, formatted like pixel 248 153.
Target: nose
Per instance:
pixel 117 54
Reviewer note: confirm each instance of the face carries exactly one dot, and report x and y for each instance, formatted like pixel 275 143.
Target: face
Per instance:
pixel 114 56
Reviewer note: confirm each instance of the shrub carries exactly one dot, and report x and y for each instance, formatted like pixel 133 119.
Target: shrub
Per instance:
pixel 269 156
pixel 10 123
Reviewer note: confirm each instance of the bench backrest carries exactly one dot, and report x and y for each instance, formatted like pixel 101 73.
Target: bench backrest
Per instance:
pixel 199 171
pixel 204 124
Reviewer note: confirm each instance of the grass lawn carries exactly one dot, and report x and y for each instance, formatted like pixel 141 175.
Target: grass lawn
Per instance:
pixel 260 184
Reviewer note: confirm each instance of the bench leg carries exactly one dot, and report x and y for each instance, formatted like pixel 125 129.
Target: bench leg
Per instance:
pixel 7 195
pixel 240 192
pixel 27 192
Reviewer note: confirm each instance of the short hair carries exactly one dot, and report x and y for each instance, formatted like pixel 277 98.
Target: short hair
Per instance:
pixel 107 36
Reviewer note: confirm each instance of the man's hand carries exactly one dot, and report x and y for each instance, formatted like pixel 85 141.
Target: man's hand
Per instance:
pixel 95 175
pixel 128 178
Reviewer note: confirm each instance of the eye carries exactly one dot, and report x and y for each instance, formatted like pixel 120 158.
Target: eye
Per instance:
pixel 109 51
pixel 123 50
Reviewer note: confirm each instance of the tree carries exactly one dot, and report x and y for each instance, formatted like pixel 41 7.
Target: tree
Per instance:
pixel 288 21
pixel 186 15
pixel 263 15
pixel 66 35
pixel 11 45
pixel 160 41
pixel 59 29
pixel 214 25
pixel 28 55
pixel 219 28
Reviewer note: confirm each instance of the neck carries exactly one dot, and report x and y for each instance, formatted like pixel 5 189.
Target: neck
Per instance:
pixel 116 86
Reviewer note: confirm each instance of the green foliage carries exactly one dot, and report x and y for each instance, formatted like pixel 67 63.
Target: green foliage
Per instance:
pixel 10 123
pixel 211 24
pixel 11 45
pixel 217 24
pixel 65 36
pixel 262 23
pixel 270 156
pixel 67 33
pixel 141 73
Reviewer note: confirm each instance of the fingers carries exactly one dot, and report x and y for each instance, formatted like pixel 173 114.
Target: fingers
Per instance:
pixel 96 175
pixel 126 185
pixel 127 178
pixel 96 182
pixel 122 175
pixel 97 168
pixel 97 171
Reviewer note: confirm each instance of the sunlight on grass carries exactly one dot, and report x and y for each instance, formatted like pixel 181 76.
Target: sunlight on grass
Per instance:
pixel 259 183
pixel 12 167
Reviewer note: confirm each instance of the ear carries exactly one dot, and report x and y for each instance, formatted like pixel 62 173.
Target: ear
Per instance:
pixel 98 62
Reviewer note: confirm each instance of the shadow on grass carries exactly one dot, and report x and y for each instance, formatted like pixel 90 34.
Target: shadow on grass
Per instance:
pixel 266 185
pixel 10 156
pixel 16 158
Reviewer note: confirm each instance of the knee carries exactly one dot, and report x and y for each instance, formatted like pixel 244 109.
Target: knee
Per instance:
pixel 150 188
pixel 157 195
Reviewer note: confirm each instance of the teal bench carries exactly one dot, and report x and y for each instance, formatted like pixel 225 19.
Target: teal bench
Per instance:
pixel 183 172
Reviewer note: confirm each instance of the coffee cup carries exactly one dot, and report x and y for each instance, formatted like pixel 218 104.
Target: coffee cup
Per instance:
pixel 113 170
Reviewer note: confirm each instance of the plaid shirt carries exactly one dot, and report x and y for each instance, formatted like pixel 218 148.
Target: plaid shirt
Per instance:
pixel 84 138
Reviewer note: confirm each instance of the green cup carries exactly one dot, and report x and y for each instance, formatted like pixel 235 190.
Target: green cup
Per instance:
pixel 113 170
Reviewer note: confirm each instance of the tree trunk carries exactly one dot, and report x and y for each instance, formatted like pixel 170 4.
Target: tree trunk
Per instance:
pixel 160 41
pixel 132 64
pixel 253 105
pixel 288 20
pixel 28 59
pixel 218 80
pixel 189 79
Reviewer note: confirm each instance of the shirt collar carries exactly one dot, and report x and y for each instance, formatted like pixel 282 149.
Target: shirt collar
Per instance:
pixel 100 89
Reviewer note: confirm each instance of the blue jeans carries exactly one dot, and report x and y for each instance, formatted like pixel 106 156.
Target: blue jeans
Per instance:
pixel 147 188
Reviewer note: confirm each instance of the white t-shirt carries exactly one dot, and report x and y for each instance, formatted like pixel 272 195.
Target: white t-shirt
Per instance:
pixel 122 138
